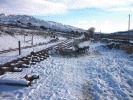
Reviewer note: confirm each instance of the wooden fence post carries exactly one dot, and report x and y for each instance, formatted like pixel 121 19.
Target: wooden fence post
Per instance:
pixel 24 37
pixel 32 40
pixel 19 44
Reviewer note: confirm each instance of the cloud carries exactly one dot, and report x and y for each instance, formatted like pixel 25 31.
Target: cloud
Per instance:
pixel 44 7
pixel 83 22
pixel 106 22
pixel 94 21
pixel 31 7
pixel 120 9
pixel 86 22
pixel 81 26
pixel 95 3
pixel 106 26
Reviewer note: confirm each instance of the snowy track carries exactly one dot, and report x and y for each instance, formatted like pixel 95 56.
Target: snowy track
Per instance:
pixel 101 75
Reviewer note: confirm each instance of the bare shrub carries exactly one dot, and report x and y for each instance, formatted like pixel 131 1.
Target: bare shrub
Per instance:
pixel 10 33
pixel 91 31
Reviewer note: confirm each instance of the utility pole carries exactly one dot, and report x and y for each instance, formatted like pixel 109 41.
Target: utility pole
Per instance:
pixel 32 40
pixel 24 37
pixel 100 34
pixel 128 28
pixel 19 45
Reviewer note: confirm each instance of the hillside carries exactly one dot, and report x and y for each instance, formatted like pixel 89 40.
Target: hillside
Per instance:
pixel 24 19
pixel 123 32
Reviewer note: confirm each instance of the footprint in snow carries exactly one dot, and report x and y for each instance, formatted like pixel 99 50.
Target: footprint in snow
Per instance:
pixel 7 96
pixel 19 95
pixel 48 72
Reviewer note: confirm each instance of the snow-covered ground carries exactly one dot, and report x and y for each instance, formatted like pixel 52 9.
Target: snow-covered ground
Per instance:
pixel 100 74
pixel 8 41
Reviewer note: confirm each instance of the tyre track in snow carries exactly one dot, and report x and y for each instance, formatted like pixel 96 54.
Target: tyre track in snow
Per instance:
pixel 48 72
pixel 39 85
pixel 104 72
pixel 58 78
pixel 59 81
pixel 105 75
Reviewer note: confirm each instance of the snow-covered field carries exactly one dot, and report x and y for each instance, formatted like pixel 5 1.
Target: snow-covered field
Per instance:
pixel 10 56
pixel 8 41
pixel 101 74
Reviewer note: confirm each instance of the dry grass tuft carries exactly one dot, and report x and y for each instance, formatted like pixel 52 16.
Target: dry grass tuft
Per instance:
pixel 127 48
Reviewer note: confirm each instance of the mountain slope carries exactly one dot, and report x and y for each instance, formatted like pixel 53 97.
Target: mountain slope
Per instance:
pixel 37 22
pixel 123 32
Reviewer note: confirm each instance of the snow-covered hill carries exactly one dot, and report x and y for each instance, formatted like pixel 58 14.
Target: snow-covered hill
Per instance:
pixel 123 32
pixel 37 22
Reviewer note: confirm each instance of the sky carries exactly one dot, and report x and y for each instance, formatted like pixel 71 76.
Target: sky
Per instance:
pixel 108 16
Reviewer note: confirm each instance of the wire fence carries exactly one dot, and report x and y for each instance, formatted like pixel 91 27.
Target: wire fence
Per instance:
pixel 10 37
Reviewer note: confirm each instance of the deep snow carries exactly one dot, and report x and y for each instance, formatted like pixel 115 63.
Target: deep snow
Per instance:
pixel 101 74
